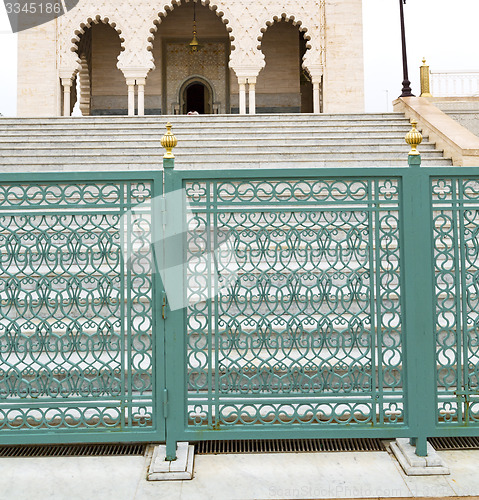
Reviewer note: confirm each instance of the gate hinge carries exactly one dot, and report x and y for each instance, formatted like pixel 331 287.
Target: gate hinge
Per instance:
pixel 165 403
pixel 163 305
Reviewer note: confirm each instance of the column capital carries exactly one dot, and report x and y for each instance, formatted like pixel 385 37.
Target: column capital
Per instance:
pixel 135 73
pixel 315 71
pixel 67 82
pixel 248 72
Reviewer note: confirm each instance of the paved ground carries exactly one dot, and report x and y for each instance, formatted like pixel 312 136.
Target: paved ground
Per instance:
pixel 237 477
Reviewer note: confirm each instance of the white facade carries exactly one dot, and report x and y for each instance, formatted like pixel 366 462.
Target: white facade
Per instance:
pixel 51 56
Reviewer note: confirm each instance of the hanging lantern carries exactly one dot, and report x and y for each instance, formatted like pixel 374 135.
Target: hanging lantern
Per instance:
pixel 194 44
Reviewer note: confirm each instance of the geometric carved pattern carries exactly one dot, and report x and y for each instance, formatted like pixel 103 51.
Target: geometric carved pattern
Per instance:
pixel 137 21
pixel 210 63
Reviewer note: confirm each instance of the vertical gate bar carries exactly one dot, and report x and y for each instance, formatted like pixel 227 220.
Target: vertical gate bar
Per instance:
pixel 215 299
pixel 211 365
pixel 175 328
pixel 456 215
pixel 376 378
pixel 123 263
pixel 158 337
pixel 462 331
pixel 418 302
pixel 128 301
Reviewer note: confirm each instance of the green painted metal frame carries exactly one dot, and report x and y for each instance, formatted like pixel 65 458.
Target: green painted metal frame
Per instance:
pixel 418 292
pixel 419 274
pixel 70 217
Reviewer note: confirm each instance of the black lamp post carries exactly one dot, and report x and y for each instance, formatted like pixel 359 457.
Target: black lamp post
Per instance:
pixel 406 84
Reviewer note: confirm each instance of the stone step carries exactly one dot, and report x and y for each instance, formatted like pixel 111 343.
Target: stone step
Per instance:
pixel 122 165
pixel 131 156
pixel 274 117
pixel 221 134
pixel 212 127
pixel 149 149
pixel 186 141
pixel 213 142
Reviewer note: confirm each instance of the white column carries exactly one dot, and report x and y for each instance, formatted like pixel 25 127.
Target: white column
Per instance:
pixel 131 96
pixel 141 82
pixel 242 95
pixel 67 89
pixel 316 97
pixel 252 95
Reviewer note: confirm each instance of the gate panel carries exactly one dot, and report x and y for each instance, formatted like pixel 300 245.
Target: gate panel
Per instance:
pixel 295 304
pixel 456 263
pixel 79 333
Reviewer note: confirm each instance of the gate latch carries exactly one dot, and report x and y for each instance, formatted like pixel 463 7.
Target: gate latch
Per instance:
pixel 163 305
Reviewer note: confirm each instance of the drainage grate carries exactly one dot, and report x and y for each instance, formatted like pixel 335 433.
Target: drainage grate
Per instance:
pixel 287 445
pixel 73 450
pixel 455 443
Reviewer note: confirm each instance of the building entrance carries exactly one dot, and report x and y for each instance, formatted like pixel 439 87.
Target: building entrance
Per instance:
pixel 196 98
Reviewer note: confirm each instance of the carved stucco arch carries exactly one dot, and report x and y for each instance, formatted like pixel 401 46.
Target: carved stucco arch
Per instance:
pixel 74 28
pixel 220 8
pixel 134 20
pixel 313 27
pixel 289 19
pixel 174 4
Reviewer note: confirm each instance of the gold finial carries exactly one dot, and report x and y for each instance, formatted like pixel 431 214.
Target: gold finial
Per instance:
pixel 424 61
pixel 169 141
pixel 414 138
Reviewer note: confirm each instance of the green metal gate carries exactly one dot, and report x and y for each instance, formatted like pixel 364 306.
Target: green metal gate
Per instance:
pixel 301 303
pixel 81 340
pixel 350 309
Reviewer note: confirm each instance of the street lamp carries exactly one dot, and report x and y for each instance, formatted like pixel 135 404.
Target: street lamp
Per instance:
pixel 406 84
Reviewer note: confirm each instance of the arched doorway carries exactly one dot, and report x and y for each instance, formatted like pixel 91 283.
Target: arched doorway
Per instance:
pixel 206 69
pixel 196 97
pixel 103 90
pixel 283 86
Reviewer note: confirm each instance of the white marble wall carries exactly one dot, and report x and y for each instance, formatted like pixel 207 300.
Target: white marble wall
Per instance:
pixel 333 28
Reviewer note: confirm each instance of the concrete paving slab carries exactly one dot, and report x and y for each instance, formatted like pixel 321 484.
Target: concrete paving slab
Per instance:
pixel 464 465
pixel 281 476
pixel 427 486
pixel 238 477
pixel 72 478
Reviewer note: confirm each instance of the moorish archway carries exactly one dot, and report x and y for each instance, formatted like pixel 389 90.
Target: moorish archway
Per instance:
pixel 103 90
pixel 176 62
pixel 283 85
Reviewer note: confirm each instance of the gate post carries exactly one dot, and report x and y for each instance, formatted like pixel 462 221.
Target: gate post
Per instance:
pixel 418 303
pixel 175 460
pixel 173 222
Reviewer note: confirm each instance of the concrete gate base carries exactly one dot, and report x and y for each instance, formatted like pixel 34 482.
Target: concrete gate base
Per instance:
pixel 180 469
pixel 413 465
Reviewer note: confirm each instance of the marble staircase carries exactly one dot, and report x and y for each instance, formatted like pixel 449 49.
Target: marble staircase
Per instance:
pixel 209 142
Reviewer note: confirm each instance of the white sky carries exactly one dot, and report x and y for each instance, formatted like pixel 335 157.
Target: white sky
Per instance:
pixel 446 32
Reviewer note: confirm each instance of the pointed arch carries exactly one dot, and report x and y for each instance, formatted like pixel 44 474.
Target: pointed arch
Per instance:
pixel 75 39
pixel 214 6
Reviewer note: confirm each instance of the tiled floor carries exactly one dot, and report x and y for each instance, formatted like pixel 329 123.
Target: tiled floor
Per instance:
pixel 237 477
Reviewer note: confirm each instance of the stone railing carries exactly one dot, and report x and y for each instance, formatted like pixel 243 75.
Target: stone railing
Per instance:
pixel 454 83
